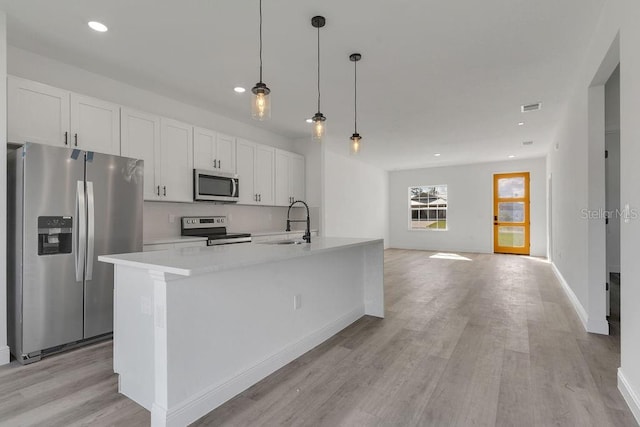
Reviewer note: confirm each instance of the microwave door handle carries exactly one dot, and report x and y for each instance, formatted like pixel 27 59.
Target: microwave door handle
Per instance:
pixel 234 192
pixel 91 235
pixel 79 238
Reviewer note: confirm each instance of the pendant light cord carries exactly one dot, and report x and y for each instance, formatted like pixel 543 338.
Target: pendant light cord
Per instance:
pixel 318 69
pixel 260 41
pixel 355 96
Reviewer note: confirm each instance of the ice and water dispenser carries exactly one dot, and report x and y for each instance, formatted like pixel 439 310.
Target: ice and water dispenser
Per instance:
pixel 54 235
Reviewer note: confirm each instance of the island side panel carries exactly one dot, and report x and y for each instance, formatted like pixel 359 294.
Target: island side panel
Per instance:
pixel 228 330
pixel 133 334
pixel 374 279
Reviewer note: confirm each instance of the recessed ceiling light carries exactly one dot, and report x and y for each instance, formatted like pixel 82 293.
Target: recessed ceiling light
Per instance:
pixel 309 120
pixel 437 155
pixel 511 156
pixel 521 124
pixel 239 89
pixel 97 26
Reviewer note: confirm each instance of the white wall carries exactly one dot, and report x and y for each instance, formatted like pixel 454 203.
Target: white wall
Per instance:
pixel 571 191
pixel 355 198
pixel 4 350
pixel 470 206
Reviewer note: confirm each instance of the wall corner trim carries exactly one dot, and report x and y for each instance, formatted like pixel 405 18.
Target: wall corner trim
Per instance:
pixel 4 355
pixel 594 326
pixel 582 313
pixel 629 395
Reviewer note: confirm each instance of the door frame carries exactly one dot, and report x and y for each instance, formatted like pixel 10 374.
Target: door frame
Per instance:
pixel 525 250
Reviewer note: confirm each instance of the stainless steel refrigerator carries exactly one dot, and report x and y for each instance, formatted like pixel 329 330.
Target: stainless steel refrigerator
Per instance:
pixel 65 208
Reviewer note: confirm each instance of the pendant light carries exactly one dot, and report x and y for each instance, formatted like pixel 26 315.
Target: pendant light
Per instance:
pixel 355 138
pixel 260 101
pixel 318 118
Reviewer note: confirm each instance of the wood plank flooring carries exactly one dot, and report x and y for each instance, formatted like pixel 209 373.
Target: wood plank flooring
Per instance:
pixel 490 340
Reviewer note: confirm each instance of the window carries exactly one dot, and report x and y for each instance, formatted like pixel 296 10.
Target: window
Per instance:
pixel 428 207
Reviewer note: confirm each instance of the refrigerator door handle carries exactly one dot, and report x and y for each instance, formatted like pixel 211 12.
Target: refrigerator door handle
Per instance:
pixel 79 239
pixel 91 237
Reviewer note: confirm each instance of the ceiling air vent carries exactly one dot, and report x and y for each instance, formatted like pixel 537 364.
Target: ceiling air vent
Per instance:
pixel 531 107
pixel 527 142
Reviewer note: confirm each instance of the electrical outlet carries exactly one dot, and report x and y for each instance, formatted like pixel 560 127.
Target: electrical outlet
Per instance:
pixel 297 302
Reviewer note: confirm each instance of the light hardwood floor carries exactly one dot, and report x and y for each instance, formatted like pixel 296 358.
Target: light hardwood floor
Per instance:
pixel 491 340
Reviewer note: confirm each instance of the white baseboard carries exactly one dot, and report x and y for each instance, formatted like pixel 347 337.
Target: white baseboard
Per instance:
pixel 198 405
pixel 629 395
pixel 582 313
pixel 5 355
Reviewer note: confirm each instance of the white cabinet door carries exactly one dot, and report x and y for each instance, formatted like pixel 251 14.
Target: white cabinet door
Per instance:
pixel 283 196
pixel 264 174
pixel 289 177
pixel 95 125
pixel 245 158
pixel 140 136
pixel 296 176
pixel 226 153
pixel 37 113
pixel 204 149
pixel 176 161
pixel 214 151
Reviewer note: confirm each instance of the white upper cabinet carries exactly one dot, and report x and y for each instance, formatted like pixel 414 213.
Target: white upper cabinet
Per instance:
pixel 166 146
pixel 264 178
pixel 176 156
pixel 289 177
pixel 255 168
pixel 213 151
pixel 140 138
pixel 48 115
pixel 245 158
pixel 297 177
pixel 37 113
pixel 95 124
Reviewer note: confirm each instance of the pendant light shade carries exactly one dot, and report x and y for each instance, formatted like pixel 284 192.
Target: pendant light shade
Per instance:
pixel 319 120
pixel 260 100
pixel 355 138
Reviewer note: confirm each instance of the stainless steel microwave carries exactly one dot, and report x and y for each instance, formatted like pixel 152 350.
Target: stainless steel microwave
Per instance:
pixel 212 186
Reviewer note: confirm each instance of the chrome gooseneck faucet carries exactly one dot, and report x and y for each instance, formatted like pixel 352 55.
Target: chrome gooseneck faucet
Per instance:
pixel 307 234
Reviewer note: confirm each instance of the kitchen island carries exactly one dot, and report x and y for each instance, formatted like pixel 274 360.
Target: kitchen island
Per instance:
pixel 193 327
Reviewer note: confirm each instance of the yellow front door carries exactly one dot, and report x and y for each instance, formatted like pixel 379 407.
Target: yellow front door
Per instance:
pixel 511 213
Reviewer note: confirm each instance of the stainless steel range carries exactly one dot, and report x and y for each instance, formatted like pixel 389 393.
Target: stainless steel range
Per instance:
pixel 213 228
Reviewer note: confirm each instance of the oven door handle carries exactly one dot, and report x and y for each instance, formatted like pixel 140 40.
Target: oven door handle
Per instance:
pixel 234 192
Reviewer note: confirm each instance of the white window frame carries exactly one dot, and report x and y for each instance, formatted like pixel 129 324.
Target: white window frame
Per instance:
pixel 410 210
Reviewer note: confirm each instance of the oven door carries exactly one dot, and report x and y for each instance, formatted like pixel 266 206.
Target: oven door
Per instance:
pixel 215 186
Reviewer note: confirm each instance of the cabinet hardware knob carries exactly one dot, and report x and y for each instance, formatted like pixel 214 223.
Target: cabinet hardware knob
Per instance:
pixel 66 135
pixel 259 197
pixel 76 138
pixel 164 188
pixel 158 190
pixel 214 163
pixel 219 164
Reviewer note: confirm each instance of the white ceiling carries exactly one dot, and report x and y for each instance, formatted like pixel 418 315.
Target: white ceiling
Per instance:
pixel 436 76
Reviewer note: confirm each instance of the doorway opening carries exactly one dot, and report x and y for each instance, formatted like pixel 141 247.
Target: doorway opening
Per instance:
pixel 612 198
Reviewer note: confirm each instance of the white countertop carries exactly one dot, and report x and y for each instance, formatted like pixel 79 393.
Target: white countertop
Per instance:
pixel 177 239
pixel 202 260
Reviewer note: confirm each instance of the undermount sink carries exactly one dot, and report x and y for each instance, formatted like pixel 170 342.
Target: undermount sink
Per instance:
pixel 284 242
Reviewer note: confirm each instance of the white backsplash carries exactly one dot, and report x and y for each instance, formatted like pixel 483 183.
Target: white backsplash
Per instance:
pixel 158 217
